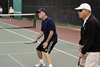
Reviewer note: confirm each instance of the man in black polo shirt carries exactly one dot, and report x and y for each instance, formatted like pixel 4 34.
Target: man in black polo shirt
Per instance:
pixel 50 38
pixel 90 37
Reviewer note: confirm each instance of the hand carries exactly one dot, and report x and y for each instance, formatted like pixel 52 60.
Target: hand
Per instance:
pixel 45 44
pixel 31 42
pixel 35 41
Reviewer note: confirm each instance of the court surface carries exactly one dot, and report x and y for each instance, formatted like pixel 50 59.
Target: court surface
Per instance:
pixel 15 53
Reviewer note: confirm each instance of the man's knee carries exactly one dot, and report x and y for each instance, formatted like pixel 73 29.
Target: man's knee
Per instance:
pixel 81 66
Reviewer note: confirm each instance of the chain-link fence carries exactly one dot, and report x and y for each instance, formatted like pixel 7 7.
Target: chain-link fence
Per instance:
pixel 62 11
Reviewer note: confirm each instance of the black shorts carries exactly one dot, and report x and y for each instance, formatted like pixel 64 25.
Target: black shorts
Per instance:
pixel 48 48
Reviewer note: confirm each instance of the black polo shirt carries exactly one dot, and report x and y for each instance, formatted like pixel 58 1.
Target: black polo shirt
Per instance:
pixel 47 26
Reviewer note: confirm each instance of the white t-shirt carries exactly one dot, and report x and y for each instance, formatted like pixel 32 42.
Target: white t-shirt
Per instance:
pixel 1 10
pixel 86 20
pixel 11 10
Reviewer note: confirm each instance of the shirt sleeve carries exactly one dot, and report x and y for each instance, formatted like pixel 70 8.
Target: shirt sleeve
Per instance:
pixel 42 27
pixel 51 25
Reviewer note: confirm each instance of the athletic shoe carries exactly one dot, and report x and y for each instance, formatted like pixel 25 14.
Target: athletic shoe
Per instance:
pixel 40 65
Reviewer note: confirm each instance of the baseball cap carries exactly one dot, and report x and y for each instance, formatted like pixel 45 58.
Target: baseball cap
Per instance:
pixel 84 6
pixel 41 9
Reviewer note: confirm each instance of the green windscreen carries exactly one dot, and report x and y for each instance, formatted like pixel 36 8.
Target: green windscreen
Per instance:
pixel 17 5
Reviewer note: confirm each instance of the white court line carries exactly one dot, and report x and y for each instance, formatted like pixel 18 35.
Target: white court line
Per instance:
pixel 16 33
pixel 22 53
pixel 68 42
pixel 38 33
pixel 16 60
pixel 15 42
pixel 32 40
pixel 66 53
pixel 70 28
pixel 54 48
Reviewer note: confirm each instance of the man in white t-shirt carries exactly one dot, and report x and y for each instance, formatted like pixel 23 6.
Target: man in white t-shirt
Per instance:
pixel 1 10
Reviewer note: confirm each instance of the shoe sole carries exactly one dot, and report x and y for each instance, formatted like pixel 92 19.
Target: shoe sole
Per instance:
pixel 40 66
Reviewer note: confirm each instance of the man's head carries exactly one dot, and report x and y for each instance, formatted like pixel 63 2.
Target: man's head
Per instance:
pixel 83 10
pixel 41 12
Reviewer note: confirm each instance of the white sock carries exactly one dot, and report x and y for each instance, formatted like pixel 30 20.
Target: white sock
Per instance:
pixel 50 65
pixel 41 61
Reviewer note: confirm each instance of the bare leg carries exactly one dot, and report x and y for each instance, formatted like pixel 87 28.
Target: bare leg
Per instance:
pixel 39 53
pixel 48 58
pixel 81 66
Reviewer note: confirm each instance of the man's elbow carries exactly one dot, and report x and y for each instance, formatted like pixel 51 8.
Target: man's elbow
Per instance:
pixel 51 32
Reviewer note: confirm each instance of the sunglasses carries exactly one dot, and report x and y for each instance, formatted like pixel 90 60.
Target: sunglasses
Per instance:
pixel 79 10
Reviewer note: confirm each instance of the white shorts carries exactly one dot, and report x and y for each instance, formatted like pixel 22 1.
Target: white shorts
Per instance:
pixel 91 59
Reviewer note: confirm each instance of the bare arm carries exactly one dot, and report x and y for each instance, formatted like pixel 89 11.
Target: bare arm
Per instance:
pixel 50 36
pixel 39 36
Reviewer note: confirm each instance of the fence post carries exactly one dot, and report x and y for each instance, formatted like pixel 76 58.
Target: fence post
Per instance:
pixel 34 21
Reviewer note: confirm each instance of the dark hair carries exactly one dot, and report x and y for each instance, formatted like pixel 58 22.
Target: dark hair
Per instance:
pixel 41 9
